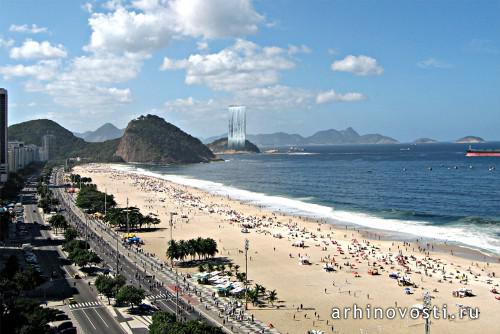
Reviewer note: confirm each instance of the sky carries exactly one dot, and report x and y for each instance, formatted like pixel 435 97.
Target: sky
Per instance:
pixel 406 69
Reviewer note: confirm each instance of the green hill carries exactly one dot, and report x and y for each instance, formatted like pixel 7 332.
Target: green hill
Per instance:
pixel 220 146
pixel 146 139
pixel 151 139
pixel 31 132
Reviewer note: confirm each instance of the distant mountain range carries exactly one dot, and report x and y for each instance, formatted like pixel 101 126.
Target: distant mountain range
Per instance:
pixel 326 137
pixel 147 139
pixel 106 132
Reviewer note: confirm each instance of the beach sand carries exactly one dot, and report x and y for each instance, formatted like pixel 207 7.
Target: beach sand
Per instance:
pixel 274 263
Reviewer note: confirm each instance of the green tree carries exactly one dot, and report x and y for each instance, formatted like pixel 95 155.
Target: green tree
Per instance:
pixel 165 323
pixel 70 234
pixel 83 257
pixel 58 221
pixel 161 321
pixel 27 279
pixel 70 246
pixel 173 250
pixel 130 295
pixel 92 200
pixel 109 286
pixel 25 316
pixel 272 297
pixel 253 296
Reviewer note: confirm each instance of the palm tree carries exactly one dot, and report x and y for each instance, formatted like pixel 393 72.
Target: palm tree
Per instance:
pixel 259 289
pixel 272 297
pixel 173 250
pixel 253 295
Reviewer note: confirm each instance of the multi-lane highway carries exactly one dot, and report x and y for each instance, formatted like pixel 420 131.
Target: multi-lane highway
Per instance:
pixel 91 315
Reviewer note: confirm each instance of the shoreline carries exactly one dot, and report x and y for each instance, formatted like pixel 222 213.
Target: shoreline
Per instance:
pixel 273 261
pixel 470 252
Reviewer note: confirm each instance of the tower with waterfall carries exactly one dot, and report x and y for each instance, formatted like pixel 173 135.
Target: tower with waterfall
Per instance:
pixel 237 127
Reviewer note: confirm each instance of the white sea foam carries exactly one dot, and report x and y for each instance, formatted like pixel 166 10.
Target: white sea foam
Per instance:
pixel 466 235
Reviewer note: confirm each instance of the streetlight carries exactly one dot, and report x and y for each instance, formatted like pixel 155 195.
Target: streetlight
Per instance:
pixel 246 273
pixel 105 193
pixel 128 227
pixel 172 214
pixel 427 305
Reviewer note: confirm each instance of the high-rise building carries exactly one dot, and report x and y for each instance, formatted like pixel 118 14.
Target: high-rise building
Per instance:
pixel 21 155
pixel 236 136
pixel 47 146
pixel 4 164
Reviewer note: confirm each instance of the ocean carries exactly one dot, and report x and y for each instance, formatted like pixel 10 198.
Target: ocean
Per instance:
pixel 431 191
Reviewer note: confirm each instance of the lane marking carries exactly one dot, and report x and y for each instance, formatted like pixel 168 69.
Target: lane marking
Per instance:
pixel 101 318
pixel 89 319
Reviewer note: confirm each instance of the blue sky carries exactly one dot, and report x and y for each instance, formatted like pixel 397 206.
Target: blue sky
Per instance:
pixel 406 69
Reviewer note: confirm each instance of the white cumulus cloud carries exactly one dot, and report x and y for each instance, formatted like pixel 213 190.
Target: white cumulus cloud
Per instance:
pixel 43 70
pixel 35 50
pixel 149 25
pixel 216 18
pixel 333 96
pixel 24 28
pixel 241 66
pixel 358 65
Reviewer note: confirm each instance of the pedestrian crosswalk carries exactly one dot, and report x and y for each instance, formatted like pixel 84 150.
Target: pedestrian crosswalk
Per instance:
pixel 85 305
pixel 157 296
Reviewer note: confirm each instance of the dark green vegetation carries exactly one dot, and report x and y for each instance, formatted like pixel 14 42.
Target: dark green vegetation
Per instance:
pixel 101 152
pixel 130 295
pixel 64 144
pixel 146 139
pixel 201 247
pixel 165 323
pixel 220 146
pixel 31 132
pixel 109 286
pixel 105 132
pixel 58 222
pixel 19 315
pixel 117 217
pixel 70 234
pixel 47 200
pixel 79 253
pixel 92 200
pixel 152 139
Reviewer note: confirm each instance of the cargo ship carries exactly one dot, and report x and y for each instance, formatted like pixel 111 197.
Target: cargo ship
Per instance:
pixel 482 153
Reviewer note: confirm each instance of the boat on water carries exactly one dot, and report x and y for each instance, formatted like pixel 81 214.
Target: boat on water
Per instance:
pixel 482 153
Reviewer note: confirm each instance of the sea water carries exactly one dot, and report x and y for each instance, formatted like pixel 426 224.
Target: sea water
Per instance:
pixel 431 191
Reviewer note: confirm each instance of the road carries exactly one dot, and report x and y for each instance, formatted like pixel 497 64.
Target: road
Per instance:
pixel 195 302
pixel 90 314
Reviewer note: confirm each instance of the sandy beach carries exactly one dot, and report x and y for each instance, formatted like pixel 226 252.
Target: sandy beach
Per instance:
pixel 307 293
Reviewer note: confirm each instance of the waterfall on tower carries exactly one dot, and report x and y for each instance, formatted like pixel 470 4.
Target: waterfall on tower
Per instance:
pixel 237 128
